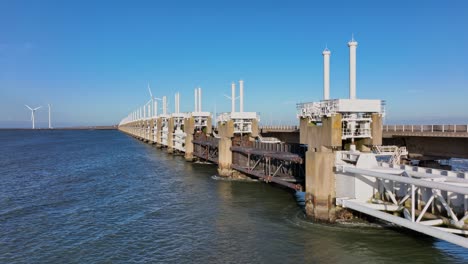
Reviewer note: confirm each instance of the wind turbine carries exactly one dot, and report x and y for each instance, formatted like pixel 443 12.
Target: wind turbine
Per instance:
pixel 154 102
pixel 32 114
pixel 233 97
pixel 50 124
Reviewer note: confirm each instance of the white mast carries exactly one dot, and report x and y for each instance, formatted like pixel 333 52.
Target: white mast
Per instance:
pixel 177 103
pixel 199 100
pixel 326 74
pixel 352 68
pixel 196 100
pixel 233 97
pixel 155 108
pixel 50 123
pixel 241 96
pixel 149 110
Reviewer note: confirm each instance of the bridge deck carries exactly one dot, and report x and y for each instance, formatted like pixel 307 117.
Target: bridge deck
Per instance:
pixel 458 131
pixel 424 134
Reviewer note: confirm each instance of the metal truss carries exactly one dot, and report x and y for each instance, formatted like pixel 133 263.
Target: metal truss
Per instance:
pixel 432 204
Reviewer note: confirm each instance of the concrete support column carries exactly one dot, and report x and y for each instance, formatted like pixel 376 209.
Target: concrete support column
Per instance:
pixel 145 130
pixel 226 133
pixel 189 129
pixel 159 129
pixel 188 147
pixel 151 134
pixel 321 142
pixel 225 157
pixel 140 129
pixel 320 186
pixel 170 136
pixel 376 129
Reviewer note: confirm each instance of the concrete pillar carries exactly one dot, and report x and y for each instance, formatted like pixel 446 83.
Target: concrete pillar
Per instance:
pixel 320 185
pixel 189 129
pixel 319 161
pixel 151 134
pixel 209 126
pixel 226 132
pixel 140 129
pixel 326 135
pixel 352 68
pixel 376 129
pixel 170 136
pixel 159 128
pixel 145 130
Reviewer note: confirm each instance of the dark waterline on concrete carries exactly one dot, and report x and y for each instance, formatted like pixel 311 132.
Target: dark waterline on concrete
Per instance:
pixel 102 196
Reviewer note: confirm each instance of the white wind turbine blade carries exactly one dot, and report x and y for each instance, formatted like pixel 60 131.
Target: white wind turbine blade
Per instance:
pixel 149 89
pixel 228 97
pixel 36 108
pixel 29 107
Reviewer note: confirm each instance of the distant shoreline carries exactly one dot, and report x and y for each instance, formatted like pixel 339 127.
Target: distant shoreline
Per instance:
pixel 68 128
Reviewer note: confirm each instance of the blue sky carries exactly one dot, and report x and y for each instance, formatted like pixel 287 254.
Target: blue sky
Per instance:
pixel 92 59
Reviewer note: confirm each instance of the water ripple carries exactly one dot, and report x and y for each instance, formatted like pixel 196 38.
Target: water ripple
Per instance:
pixel 104 197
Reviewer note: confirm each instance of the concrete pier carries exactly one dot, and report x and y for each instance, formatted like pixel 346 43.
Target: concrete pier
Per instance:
pixel 197 123
pixel 158 132
pixel 170 135
pixel 320 177
pixel 189 129
pixel 323 139
pixel 226 133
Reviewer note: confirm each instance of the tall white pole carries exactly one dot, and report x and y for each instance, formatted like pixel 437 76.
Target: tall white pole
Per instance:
pixel 33 121
pixel 199 100
pixel 215 115
pixel 326 74
pixel 178 102
pixel 196 100
pixel 149 110
pixel 164 105
pixel 50 126
pixel 233 97
pixel 241 96
pixel 155 108
pixel 144 111
pixel 352 68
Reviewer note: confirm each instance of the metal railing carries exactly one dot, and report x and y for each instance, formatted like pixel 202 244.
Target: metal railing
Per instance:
pixel 426 128
pixel 279 128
